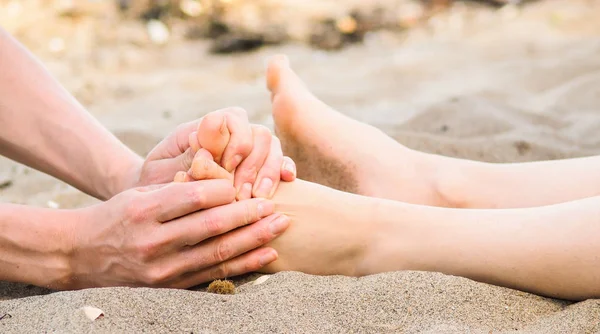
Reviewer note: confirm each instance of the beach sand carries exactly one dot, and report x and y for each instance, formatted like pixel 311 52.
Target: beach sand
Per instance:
pixel 493 86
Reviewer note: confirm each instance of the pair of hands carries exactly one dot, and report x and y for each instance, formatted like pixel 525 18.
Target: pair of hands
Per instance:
pixel 181 234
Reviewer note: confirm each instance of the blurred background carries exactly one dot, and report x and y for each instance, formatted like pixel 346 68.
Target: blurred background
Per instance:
pixel 487 80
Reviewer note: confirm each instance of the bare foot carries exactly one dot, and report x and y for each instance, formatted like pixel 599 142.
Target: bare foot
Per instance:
pixel 334 150
pixel 331 232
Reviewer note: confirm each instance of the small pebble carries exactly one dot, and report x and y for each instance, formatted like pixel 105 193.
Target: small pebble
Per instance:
pixel 92 313
pixel 158 32
pixel 261 279
pixel 191 8
pixel 52 205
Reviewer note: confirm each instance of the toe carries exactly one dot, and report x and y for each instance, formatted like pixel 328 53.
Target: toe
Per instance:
pixel 275 67
pixel 213 135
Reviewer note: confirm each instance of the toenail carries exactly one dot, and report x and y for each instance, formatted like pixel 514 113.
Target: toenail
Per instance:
pixel 264 188
pixel 279 225
pixel 290 167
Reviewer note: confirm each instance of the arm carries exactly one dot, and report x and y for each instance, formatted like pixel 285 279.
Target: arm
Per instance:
pixel 173 235
pixel 472 184
pixel 34 245
pixel 44 127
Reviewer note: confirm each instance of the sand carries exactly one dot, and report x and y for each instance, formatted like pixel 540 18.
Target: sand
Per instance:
pixel 493 86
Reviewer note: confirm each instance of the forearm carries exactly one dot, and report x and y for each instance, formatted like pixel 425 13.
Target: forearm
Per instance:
pixel 550 250
pixel 43 126
pixel 34 245
pixel 471 184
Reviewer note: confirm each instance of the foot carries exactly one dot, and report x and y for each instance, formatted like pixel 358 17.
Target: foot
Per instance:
pixel 331 232
pixel 339 152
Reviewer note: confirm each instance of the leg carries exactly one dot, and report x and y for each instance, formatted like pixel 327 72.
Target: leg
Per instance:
pixel 550 250
pixel 334 150
pixel 339 152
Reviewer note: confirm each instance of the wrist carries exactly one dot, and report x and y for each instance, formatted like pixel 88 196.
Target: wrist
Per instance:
pixel 36 245
pixel 123 174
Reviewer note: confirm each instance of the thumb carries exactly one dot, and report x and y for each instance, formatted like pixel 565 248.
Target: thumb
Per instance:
pixel 164 170
pixel 184 161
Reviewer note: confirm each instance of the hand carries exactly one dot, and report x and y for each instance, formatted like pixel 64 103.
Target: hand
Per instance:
pixel 175 153
pixel 172 236
pixel 258 173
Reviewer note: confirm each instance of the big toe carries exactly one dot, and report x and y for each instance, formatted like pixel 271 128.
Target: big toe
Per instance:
pixel 281 78
pixel 213 135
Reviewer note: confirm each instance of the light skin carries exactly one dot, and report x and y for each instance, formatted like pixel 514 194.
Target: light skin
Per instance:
pixel 148 232
pixel 550 250
pixel 324 145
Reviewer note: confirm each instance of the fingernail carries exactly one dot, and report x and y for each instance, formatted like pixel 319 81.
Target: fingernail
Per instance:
pixel 290 167
pixel 279 225
pixel 264 188
pixel 265 208
pixel 234 162
pixel 267 258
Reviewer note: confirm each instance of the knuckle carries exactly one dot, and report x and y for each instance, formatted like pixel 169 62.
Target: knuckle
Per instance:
pixel 262 132
pixel 271 170
pixel 242 146
pixel 249 173
pixel 145 252
pixel 250 212
pixel 221 270
pixel 197 195
pixel 155 276
pixel 263 235
pixel 212 224
pixel 136 212
pixel 223 251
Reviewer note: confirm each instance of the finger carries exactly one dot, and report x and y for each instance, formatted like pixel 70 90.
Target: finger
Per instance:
pixel 164 170
pixel 178 142
pixel 182 177
pixel 230 245
pixel 204 168
pixel 179 177
pixel 179 199
pixel 241 141
pixel 193 140
pixel 288 170
pixel 151 187
pixel 246 173
pixel 199 226
pixel 270 173
pixel 243 264
pixel 213 134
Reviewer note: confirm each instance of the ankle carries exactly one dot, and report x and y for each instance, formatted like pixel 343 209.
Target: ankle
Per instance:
pixel 452 179
pixel 391 240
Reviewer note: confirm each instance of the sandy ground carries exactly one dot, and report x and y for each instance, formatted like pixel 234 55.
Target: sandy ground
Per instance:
pixel 493 86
